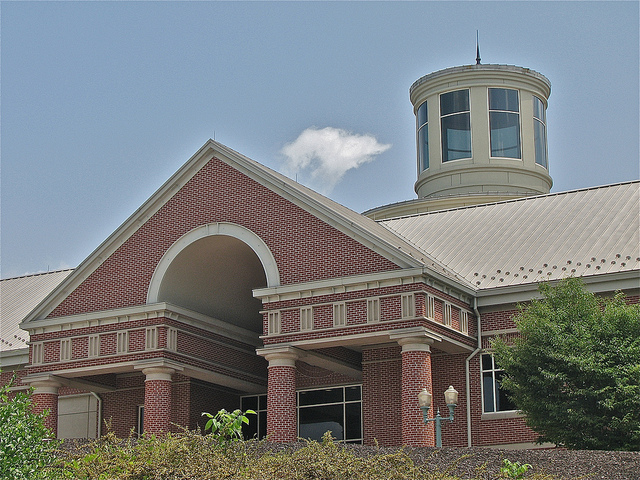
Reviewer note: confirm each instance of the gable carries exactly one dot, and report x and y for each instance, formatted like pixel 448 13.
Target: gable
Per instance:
pixel 305 248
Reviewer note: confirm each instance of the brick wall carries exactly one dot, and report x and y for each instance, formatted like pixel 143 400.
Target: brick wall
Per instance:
pixel 219 193
pixel 381 398
pixel 281 399
pixel 450 370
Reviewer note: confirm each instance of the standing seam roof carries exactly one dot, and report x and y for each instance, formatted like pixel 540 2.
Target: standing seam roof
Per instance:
pixel 582 232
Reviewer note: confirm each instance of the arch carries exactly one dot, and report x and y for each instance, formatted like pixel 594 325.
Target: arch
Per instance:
pixel 212 270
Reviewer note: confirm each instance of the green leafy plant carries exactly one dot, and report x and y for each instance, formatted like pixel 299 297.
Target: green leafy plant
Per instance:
pixel 515 470
pixel 574 370
pixel 227 426
pixel 26 446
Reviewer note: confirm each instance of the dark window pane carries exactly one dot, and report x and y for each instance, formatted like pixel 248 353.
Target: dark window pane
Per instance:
pixel 423 147
pixel 262 425
pixel 422 114
pixel 540 141
pixel 353 393
pixel 503 401
pixel 249 403
pixel 503 99
pixel 262 402
pixel 538 110
pixel 354 420
pixel 315 421
pixel 456 137
pixel 487 391
pixel 487 362
pixel 317 397
pixel 454 102
pixel 251 430
pixel 505 134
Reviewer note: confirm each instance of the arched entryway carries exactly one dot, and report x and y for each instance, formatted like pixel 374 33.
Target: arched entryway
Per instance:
pixel 212 270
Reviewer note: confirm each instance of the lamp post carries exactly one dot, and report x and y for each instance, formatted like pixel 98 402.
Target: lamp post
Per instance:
pixel 424 400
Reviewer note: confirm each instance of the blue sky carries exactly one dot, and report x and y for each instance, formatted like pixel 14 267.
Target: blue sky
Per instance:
pixel 102 101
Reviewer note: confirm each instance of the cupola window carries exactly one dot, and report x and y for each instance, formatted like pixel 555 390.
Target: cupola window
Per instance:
pixel 422 120
pixel 504 123
pixel 540 131
pixel 455 121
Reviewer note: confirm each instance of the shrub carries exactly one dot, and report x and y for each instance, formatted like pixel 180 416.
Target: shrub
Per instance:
pixel 26 447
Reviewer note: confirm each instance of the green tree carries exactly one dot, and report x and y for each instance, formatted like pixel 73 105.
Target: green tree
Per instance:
pixel 574 371
pixel 26 450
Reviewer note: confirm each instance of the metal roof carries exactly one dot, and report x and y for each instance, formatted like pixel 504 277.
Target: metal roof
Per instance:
pixel 584 232
pixel 18 296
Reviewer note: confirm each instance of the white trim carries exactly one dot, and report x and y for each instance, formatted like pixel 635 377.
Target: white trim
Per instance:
pixel 274 322
pixel 373 310
pixel 151 338
pixel 143 312
pixel 306 318
pixel 239 232
pixel 65 349
pixel 407 305
pixel 339 314
pixel 93 350
pixel 332 286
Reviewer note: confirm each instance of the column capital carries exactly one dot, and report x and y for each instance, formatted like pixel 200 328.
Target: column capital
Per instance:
pixel 158 373
pixel 415 344
pixel 415 339
pixel 158 369
pixel 43 383
pixel 284 356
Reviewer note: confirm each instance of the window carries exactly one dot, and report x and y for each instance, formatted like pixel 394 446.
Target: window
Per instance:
pixel 151 338
pixel 336 409
pixel 408 307
pixel 339 314
pixel 373 310
pixel 431 307
pixel 140 422
pixel 455 122
pixel 172 339
pixel 37 353
pixel 65 349
pixel 257 427
pixel 422 121
pixel 122 343
pixel 464 321
pixel 306 318
pixel 504 123
pixel 540 132
pixel 494 398
pixel 273 323
pixel 94 346
pixel 446 314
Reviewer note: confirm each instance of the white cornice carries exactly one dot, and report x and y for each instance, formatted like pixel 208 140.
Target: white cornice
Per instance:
pixel 355 283
pixel 142 312
pixel 14 358
pixel 603 283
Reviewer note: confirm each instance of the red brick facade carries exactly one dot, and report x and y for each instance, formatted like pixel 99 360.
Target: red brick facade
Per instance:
pixel 345 313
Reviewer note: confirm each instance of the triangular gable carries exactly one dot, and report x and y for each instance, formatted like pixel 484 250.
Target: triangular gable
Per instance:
pixel 381 242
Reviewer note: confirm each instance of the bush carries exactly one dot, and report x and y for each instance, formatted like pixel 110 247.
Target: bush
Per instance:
pixel 26 447
pixel 190 455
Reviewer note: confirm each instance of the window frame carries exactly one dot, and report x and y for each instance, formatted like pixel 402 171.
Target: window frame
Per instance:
pixel 518 113
pixel 344 404
pixel 543 122
pixel 420 127
pixel 450 115
pixel 495 390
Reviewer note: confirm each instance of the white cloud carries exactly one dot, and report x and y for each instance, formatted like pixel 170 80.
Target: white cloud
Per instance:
pixel 326 154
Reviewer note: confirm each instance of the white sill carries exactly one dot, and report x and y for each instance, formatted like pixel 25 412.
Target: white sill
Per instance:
pixel 501 415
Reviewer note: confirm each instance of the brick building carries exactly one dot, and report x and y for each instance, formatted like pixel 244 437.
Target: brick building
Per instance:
pixel 235 287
